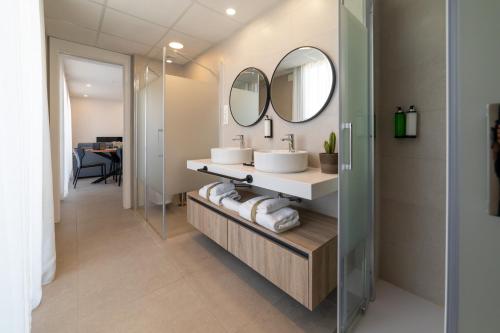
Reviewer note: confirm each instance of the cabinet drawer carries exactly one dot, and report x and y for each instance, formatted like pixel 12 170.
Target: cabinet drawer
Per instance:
pixel 279 265
pixel 206 221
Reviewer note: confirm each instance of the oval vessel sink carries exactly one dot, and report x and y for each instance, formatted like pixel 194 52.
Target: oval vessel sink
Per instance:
pixel 280 161
pixel 231 155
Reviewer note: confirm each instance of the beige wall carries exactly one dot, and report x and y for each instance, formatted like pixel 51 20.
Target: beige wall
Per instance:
pixel 186 139
pixel 411 178
pixel 283 89
pixel 92 117
pixel 262 44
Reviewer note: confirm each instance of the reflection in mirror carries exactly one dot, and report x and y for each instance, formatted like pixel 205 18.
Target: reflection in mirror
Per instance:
pixel 494 158
pixel 249 96
pixel 302 84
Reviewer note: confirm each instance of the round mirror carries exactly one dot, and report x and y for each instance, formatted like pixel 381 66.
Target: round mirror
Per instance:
pixel 249 96
pixel 302 84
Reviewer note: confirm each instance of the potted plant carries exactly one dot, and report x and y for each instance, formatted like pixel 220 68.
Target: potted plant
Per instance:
pixel 329 160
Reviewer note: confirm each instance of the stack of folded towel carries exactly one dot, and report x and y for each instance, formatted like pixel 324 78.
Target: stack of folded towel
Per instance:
pixel 271 213
pixel 217 192
pixel 231 203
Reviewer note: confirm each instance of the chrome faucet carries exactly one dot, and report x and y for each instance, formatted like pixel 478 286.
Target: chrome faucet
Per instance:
pixel 241 139
pixel 291 142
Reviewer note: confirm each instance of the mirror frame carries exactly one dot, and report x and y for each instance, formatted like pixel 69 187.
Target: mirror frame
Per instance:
pixel 268 98
pixel 332 88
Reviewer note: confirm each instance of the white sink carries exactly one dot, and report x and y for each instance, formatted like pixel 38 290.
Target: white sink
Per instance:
pixel 231 155
pixel 280 161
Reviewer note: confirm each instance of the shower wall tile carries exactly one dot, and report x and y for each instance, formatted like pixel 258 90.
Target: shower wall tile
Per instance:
pixel 411 173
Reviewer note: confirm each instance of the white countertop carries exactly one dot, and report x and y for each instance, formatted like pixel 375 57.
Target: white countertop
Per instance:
pixel 310 184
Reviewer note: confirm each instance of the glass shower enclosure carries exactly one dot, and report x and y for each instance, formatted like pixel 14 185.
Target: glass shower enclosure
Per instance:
pixel 149 147
pixel 356 157
pixel 167 136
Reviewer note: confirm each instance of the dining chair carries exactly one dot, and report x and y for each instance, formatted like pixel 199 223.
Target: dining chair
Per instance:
pixel 119 153
pixel 79 155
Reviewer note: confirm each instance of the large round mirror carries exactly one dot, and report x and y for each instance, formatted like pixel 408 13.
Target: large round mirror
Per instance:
pixel 302 84
pixel 249 96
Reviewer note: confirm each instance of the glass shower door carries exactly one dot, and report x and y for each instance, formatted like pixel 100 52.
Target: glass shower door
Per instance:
pixel 140 148
pixel 154 140
pixel 356 156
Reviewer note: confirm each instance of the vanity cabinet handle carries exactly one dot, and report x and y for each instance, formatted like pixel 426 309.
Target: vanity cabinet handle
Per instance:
pixel 348 166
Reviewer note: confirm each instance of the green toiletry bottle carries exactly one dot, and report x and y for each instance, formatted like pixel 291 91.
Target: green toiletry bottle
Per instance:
pixel 399 123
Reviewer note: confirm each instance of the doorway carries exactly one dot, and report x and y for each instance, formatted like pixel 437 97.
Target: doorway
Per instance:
pixel 92 124
pixel 59 49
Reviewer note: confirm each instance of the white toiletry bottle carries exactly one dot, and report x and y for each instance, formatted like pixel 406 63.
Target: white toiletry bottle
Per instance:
pixel 411 122
pixel 268 127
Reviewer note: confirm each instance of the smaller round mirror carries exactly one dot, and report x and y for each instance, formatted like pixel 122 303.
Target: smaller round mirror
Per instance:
pixel 249 96
pixel 302 84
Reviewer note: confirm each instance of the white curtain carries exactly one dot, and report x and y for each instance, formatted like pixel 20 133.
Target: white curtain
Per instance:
pixel 25 216
pixel 298 95
pixel 311 86
pixel 66 142
pixel 48 219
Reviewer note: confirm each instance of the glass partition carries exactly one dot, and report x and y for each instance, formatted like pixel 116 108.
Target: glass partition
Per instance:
pixel 140 148
pixel 155 198
pixel 356 158
pixel 171 128
pixel 149 146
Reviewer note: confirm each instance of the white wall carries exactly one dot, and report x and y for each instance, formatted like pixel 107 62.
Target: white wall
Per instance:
pixel 93 117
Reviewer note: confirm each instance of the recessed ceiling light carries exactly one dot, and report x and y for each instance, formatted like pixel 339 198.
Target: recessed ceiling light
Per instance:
pixel 88 85
pixel 85 95
pixel 169 61
pixel 176 45
pixel 231 11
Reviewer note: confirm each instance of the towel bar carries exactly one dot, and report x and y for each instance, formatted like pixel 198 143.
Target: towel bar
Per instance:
pixel 248 178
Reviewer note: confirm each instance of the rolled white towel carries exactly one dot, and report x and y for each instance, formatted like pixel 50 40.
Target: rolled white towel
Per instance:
pixel 272 205
pixel 231 204
pixel 216 199
pixel 265 205
pixel 281 220
pixel 245 209
pixel 217 188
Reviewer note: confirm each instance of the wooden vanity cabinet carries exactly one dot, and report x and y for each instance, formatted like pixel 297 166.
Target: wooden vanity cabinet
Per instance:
pixel 302 262
pixel 213 225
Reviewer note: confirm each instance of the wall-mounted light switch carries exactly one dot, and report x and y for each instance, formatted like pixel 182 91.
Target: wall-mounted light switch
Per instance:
pixel 225 118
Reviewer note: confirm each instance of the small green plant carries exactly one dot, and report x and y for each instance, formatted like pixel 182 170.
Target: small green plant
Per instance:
pixel 331 143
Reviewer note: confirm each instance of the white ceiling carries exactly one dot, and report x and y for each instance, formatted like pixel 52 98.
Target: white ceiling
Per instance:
pixel 144 26
pixel 106 80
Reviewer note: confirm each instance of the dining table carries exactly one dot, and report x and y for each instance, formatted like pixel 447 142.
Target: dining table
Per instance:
pixel 107 153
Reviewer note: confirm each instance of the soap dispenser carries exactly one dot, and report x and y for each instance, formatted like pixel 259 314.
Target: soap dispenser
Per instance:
pixel 399 123
pixel 411 122
pixel 268 127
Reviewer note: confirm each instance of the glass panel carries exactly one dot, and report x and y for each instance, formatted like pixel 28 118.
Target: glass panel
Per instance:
pixel 155 202
pixel 140 148
pixel 356 159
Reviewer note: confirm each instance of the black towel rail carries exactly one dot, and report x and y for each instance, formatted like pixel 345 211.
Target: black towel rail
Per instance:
pixel 248 178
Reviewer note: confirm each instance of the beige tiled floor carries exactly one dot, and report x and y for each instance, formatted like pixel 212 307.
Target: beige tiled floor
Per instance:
pixel 114 274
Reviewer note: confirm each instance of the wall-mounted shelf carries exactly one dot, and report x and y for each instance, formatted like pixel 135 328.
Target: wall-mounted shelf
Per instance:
pixel 310 184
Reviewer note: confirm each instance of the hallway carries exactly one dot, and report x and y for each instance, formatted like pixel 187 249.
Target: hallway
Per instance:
pixel 114 274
